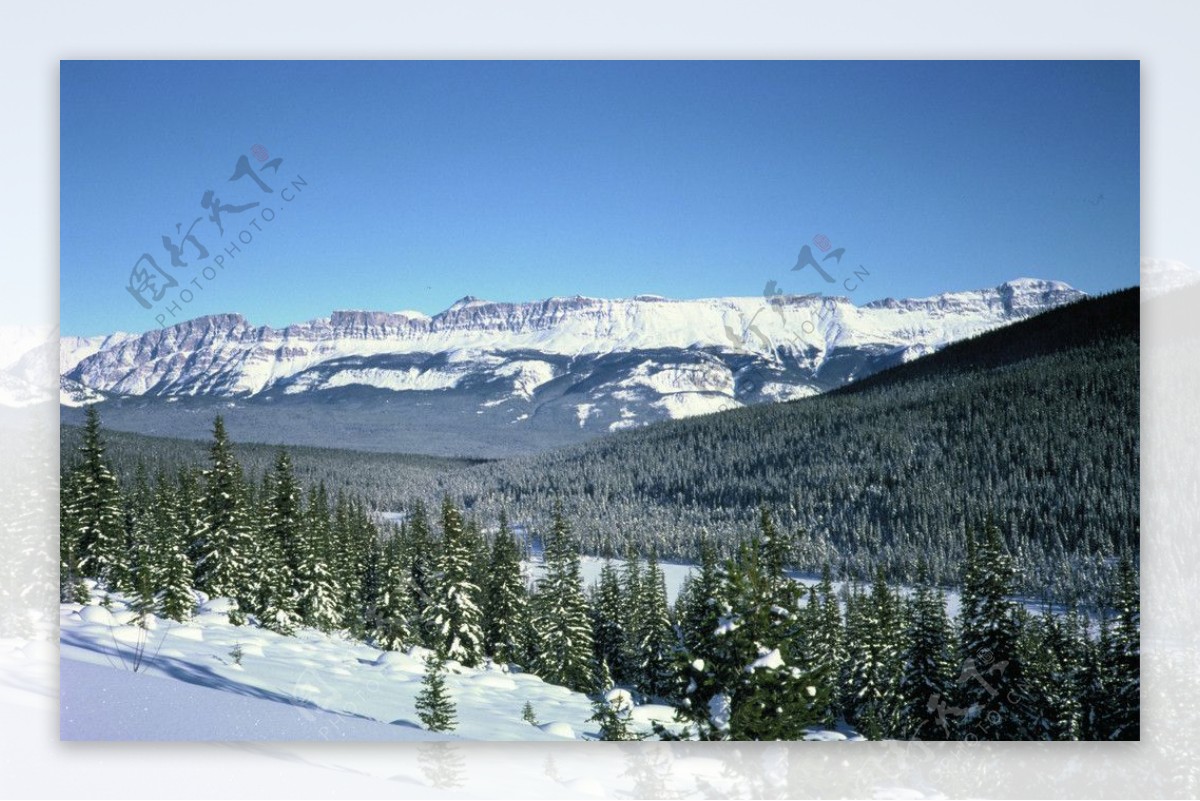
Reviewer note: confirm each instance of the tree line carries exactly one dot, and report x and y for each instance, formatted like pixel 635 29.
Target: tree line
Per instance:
pixel 744 652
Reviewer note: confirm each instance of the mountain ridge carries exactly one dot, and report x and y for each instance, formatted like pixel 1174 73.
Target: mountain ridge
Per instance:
pixel 515 377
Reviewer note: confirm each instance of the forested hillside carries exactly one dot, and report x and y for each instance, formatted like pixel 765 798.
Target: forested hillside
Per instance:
pixel 1042 439
pixel 1034 425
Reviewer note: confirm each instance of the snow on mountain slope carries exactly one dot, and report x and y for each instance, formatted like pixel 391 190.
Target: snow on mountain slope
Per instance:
pixel 73 350
pixel 309 686
pixel 539 365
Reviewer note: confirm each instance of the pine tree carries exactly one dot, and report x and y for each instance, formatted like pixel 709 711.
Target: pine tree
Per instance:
pixel 875 664
pixel 615 717
pixel 927 682
pixel 828 644
pixel 395 614
pixel 348 547
pixel 280 548
pixel 96 509
pixel 607 614
pixel 317 602
pixel 506 600
pixel 566 654
pixel 656 635
pixel 224 565
pixel 176 599
pixel 141 569
pixel 992 684
pixel 434 706
pixel 1121 660
pixel 71 588
pixel 755 683
pixel 453 619
pixel 423 558
pixel 700 614
pixel 629 665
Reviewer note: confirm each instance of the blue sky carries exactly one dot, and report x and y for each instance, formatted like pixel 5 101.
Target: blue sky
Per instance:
pixel 427 181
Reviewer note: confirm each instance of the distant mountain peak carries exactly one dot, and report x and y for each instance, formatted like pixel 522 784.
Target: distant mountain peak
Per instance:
pixel 467 301
pixel 587 363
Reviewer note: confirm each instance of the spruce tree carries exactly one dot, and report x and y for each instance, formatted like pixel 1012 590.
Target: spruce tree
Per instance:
pixel 996 697
pixel 422 557
pixel 828 643
pixel 1121 660
pixel 506 600
pixel 71 588
pixel 565 654
pixel 434 706
pixel 280 548
pixel 176 600
pixel 656 635
pixel 141 569
pixel 96 509
pixel 927 681
pixel 224 564
pixel 608 611
pixel 629 665
pixel 395 615
pixel 453 619
pixel 755 682
pixel 615 718
pixel 318 602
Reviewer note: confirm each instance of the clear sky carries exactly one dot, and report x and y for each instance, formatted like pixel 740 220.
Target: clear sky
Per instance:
pixel 421 182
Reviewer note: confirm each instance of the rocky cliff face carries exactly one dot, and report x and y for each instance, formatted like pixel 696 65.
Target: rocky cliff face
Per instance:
pixel 591 364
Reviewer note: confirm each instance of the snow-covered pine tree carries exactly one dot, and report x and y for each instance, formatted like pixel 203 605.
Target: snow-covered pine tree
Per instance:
pixel 316 590
pixel 755 683
pixel 875 667
pixel 992 685
pixel 828 643
pixel 369 542
pixel 928 664
pixel 394 613
pixel 1121 660
pixel 140 567
pixel 565 652
pixel 699 616
pixel 422 556
pixel 71 588
pixel 347 553
pixel 434 705
pixel 615 716
pixel 175 598
pixel 658 643
pixel 776 695
pixel 627 669
pixel 506 600
pixel 282 522
pixel 607 613
pixel 481 555
pixel 1054 655
pixel 96 508
pixel 452 619
pixel 224 566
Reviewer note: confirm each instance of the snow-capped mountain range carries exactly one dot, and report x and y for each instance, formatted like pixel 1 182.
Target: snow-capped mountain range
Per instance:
pixel 587 364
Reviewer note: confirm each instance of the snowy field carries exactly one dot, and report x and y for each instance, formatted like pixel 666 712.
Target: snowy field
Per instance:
pixel 190 686
pixel 209 680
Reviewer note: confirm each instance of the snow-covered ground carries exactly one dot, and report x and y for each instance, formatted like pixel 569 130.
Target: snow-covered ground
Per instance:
pixel 207 679
pixel 189 686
